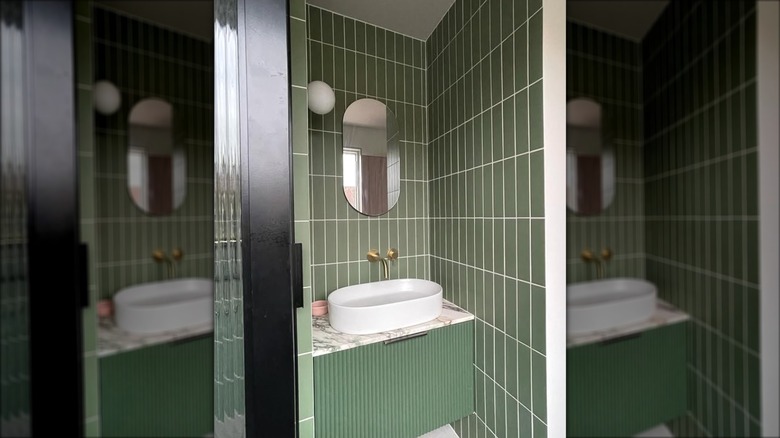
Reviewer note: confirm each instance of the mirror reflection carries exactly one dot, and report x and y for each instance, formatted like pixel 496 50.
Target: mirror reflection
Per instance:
pixel 371 161
pixel 156 166
pixel 590 159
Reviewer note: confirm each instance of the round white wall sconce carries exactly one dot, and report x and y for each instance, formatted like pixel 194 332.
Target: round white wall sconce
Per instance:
pixel 106 97
pixel 322 99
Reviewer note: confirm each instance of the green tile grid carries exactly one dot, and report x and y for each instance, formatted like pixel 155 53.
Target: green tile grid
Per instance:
pixel 87 201
pixel 300 141
pixel 143 60
pixel 363 61
pixel 700 170
pixel 608 69
pixel 486 182
pixel 179 71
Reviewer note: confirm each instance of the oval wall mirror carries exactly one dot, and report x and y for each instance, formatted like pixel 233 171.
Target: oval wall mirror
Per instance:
pixel 156 167
pixel 590 159
pixel 371 161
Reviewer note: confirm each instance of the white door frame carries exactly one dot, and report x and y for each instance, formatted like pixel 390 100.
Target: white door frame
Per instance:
pixel 554 91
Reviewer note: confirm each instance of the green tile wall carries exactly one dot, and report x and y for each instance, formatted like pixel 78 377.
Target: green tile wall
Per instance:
pixel 87 201
pixel 486 181
pixel 701 207
pixel 363 61
pixel 608 69
pixel 148 61
pixel 300 141
pixel 144 61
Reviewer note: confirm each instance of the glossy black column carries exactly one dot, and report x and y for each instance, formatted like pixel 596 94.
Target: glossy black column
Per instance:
pixel 269 314
pixel 56 353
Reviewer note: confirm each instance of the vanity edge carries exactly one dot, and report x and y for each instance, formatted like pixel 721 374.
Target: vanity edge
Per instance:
pixel 325 339
pixel 113 340
pixel 665 314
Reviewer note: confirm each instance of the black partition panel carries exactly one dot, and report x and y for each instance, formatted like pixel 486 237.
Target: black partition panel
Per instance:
pixel 56 296
pixel 267 219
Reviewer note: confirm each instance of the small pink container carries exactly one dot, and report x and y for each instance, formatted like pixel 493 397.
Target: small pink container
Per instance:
pixel 319 308
pixel 105 308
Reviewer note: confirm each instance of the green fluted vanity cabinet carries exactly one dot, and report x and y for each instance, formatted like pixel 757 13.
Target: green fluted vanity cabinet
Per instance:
pixel 159 391
pixel 623 386
pixel 401 389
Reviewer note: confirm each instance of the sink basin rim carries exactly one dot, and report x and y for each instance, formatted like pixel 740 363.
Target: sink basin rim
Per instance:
pixel 581 287
pixel 362 319
pixel 158 307
pixel 618 308
pixel 340 297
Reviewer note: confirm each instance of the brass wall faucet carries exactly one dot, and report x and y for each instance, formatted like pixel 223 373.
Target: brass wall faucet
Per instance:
pixel 588 257
pixel 159 256
pixel 373 256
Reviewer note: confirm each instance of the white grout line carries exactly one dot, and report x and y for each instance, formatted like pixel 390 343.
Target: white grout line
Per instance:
pixel 723 394
pixel 601 60
pixel 728 338
pixel 702 164
pixel 698 423
pixel 510 395
pixel 701 109
pixel 691 62
pixel 661 44
pixel 365 22
pixel 698 270
pixel 480 166
pixel 486 110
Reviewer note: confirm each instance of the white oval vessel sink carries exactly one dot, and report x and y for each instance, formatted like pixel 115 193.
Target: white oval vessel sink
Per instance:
pixel 384 305
pixel 607 304
pixel 165 305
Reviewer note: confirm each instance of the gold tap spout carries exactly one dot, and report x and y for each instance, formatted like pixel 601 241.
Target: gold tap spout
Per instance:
pixel 588 257
pixel 373 256
pixel 176 254
pixel 159 256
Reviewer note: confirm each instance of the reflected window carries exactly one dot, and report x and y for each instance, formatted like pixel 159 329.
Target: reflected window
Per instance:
pixel 590 159
pixel 352 184
pixel 156 165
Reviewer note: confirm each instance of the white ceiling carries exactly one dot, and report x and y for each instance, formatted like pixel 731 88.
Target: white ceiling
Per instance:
pixel 191 17
pixel 628 19
pixel 414 18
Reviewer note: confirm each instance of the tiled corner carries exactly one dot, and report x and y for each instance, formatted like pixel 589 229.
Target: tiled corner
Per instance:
pixel 486 184
pixel 700 158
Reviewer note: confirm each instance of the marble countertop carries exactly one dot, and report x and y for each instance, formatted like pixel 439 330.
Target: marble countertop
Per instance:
pixel 326 339
pixel 665 314
pixel 113 340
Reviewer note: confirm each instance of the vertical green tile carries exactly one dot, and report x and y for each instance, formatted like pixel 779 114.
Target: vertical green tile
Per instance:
pixel 536 113
pixel 537 184
pixel 535 47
